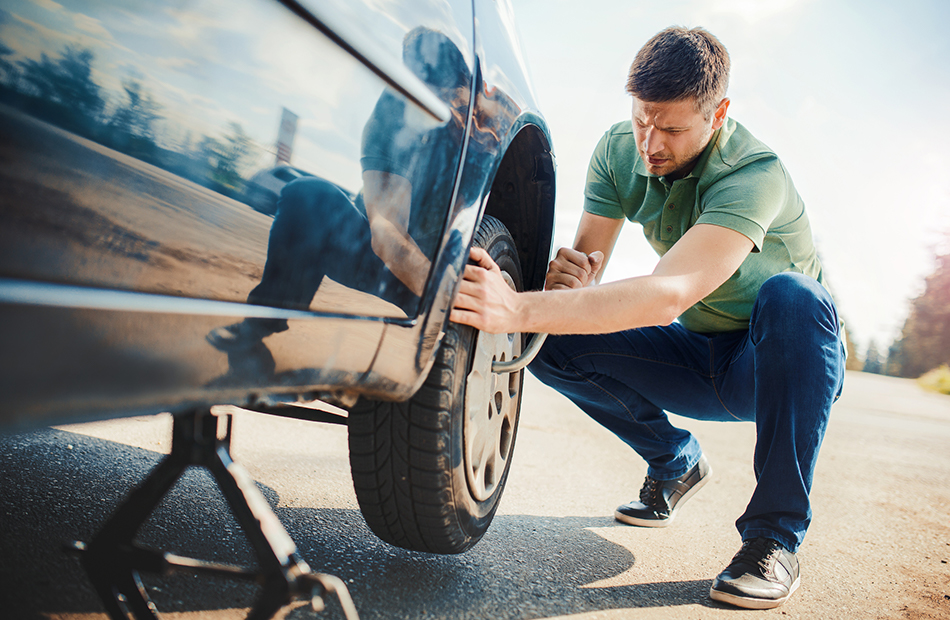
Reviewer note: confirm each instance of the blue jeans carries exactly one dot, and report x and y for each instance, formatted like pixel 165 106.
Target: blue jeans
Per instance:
pixel 318 231
pixel 783 373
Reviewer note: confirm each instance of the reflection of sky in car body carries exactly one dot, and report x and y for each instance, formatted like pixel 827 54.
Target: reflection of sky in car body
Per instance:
pixel 496 30
pixel 390 20
pixel 216 62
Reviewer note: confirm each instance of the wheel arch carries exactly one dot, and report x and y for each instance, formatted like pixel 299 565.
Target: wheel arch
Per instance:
pixel 520 184
pixel 522 196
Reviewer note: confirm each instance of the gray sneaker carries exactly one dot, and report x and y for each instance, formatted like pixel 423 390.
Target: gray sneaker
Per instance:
pixel 761 576
pixel 659 499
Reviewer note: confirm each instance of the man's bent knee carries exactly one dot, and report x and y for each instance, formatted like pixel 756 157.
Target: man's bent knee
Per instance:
pixel 544 364
pixel 794 297
pixel 793 289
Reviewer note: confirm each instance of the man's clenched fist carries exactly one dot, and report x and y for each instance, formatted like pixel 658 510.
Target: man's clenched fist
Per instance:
pixel 573 269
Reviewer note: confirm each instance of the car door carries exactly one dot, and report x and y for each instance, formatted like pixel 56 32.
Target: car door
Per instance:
pixel 130 135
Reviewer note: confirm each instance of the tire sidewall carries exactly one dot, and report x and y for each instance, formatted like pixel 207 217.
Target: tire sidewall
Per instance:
pixel 474 516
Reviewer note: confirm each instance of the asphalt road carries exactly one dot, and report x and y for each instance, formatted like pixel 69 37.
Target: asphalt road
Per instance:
pixel 879 545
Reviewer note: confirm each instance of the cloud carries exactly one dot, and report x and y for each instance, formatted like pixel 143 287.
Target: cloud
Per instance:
pixel 29 39
pixel 91 25
pixel 49 5
pixel 177 64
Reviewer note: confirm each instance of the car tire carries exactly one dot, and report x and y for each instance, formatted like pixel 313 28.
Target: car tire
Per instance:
pixel 429 472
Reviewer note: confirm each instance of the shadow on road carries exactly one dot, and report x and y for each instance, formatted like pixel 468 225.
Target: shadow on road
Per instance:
pixel 57 486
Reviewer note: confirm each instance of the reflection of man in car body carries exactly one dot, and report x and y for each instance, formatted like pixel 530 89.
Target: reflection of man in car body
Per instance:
pixel 382 240
pixel 756 337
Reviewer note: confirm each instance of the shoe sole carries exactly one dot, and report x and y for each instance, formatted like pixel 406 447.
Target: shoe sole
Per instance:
pixel 748 602
pixel 619 516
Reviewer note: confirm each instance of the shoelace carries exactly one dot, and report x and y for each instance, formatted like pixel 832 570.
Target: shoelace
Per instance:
pixel 649 492
pixel 757 552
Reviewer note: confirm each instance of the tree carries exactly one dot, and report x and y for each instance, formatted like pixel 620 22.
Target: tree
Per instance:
pixel 7 69
pixel 69 96
pixel 892 363
pixel 138 115
pixel 852 362
pixel 132 126
pixel 872 359
pixel 925 340
pixel 226 158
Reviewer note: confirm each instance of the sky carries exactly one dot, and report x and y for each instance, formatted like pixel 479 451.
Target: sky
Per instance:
pixel 851 94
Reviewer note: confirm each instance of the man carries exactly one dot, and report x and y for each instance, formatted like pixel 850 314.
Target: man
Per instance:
pixel 733 324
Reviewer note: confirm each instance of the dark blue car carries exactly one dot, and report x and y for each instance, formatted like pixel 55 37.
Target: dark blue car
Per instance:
pixel 142 270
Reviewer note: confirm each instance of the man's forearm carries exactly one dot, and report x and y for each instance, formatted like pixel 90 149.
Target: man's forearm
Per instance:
pixel 400 254
pixel 627 304
pixel 697 265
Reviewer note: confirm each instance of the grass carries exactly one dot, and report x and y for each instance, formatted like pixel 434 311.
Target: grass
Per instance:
pixel 937 380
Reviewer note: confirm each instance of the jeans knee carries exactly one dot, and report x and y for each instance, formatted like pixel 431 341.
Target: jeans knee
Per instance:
pixel 542 361
pixel 311 197
pixel 793 302
pixel 794 291
pixel 791 287
pixel 545 364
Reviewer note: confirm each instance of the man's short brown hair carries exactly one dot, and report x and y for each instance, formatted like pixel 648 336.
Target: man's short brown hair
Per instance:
pixel 680 63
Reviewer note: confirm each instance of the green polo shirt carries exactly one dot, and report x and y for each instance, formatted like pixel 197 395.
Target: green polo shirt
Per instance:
pixel 737 183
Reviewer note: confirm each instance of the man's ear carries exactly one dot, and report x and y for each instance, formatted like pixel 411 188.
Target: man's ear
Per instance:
pixel 719 116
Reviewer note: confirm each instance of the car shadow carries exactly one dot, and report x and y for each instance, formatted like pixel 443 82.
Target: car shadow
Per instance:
pixel 57 486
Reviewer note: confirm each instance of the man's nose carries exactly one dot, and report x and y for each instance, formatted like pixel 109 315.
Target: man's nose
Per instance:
pixel 652 141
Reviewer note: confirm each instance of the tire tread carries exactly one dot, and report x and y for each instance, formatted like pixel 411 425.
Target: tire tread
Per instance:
pixel 401 452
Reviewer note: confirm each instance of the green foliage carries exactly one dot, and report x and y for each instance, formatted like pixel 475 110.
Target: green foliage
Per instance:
pixel 132 126
pixel 64 89
pixel 937 380
pixel 7 69
pixel 872 360
pixel 61 90
pixel 853 362
pixel 925 340
pixel 227 156
pixel 138 115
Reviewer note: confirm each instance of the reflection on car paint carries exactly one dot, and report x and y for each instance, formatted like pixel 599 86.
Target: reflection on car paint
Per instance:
pixel 383 240
pixel 138 141
pixel 175 125
pixel 262 190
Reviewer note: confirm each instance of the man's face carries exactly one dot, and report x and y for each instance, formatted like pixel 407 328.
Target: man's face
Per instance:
pixel 671 135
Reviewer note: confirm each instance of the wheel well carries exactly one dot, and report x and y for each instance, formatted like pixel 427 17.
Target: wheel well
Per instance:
pixel 522 197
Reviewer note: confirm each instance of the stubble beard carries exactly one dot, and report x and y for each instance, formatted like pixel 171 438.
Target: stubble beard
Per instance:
pixel 676 168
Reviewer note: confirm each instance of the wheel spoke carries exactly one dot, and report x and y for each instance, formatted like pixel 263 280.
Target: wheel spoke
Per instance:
pixel 490 412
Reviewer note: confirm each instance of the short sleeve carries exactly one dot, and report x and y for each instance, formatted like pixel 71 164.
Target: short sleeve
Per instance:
pixel 747 200
pixel 382 134
pixel 600 192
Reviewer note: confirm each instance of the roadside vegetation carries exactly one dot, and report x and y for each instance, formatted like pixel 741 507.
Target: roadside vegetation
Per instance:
pixel 62 91
pixel 937 380
pixel 922 351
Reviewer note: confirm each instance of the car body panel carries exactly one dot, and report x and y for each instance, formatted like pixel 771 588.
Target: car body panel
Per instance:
pixel 130 135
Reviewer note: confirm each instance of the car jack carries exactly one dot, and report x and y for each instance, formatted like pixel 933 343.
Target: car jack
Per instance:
pixel 114 561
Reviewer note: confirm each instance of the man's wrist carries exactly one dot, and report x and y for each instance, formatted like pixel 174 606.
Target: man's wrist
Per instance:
pixel 526 312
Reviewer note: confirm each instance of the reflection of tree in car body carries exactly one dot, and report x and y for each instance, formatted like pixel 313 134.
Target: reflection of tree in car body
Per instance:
pixel 409 168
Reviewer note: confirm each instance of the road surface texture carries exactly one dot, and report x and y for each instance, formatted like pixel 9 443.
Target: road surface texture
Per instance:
pixel 879 545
